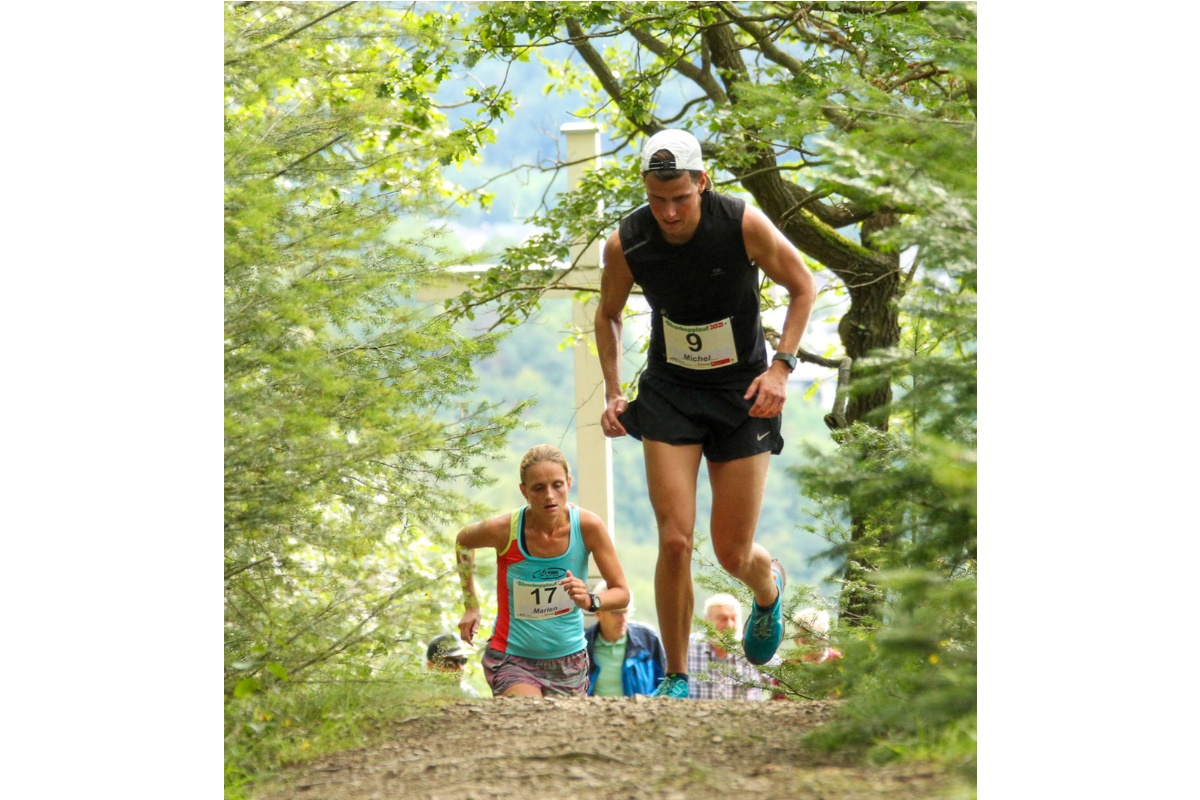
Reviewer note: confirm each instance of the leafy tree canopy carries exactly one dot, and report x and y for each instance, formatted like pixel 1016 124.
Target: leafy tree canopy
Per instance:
pixel 344 426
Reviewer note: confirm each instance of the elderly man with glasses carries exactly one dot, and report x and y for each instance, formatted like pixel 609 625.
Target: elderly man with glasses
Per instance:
pixel 626 657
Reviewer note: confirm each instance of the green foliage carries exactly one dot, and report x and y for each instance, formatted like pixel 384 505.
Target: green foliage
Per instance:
pixel 511 292
pixel 285 725
pixel 909 688
pixel 345 427
pixel 909 677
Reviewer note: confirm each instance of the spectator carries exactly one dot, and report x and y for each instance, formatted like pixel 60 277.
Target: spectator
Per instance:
pixel 812 636
pixel 447 653
pixel 713 672
pixel 627 657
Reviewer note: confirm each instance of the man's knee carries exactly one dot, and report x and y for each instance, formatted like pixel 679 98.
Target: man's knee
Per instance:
pixel 675 544
pixel 734 559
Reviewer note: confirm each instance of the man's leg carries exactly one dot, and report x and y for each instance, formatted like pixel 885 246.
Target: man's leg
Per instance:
pixel 737 493
pixel 671 472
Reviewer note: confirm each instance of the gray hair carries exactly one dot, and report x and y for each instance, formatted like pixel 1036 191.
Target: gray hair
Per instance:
pixel 723 600
pixel 812 620
pixel 603 584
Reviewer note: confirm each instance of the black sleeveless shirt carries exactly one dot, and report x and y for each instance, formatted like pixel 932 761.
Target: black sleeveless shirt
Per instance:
pixel 694 287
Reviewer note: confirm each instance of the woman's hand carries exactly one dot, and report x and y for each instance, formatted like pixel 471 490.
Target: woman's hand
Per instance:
pixel 577 589
pixel 468 626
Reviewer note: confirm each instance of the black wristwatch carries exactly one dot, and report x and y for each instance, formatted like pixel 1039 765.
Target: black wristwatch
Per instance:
pixel 595 606
pixel 786 358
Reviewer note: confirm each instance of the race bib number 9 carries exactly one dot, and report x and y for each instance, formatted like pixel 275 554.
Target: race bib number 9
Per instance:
pixel 540 600
pixel 700 346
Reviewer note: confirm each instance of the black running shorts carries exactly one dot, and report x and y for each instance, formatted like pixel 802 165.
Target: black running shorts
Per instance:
pixel 717 418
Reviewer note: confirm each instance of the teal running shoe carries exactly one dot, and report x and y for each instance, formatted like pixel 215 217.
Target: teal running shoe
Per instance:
pixel 764 629
pixel 675 688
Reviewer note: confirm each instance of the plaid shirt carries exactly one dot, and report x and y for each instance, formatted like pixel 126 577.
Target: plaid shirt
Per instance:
pixel 714 678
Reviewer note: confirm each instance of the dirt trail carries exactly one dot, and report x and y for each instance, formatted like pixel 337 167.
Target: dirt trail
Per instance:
pixel 605 749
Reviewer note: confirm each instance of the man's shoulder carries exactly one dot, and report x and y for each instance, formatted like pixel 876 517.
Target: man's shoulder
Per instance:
pixel 641 630
pixel 635 225
pixel 724 205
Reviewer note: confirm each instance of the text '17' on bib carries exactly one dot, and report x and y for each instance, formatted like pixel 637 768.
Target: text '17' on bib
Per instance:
pixel 540 600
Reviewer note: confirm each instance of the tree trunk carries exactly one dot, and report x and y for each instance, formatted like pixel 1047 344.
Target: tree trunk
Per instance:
pixel 872 322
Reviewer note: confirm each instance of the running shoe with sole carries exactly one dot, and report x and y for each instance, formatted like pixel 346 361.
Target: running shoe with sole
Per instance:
pixel 675 688
pixel 764 629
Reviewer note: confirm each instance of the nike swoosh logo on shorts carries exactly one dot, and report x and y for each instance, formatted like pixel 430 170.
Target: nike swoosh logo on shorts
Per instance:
pixel 763 436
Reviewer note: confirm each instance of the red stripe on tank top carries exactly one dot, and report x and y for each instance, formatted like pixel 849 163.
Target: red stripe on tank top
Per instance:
pixel 511 555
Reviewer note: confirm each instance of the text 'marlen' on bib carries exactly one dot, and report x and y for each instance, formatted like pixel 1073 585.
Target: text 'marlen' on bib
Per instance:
pixel 705 346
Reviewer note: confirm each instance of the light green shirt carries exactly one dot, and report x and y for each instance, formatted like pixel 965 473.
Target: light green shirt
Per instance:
pixel 610 658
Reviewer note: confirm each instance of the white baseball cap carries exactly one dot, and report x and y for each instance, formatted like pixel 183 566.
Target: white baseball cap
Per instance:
pixel 680 144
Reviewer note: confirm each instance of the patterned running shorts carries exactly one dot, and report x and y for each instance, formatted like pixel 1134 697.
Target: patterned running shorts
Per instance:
pixel 567 675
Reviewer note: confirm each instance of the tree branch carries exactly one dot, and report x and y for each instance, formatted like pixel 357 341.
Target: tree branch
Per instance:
pixel 727 58
pixel 330 143
pixel 836 418
pixel 702 78
pixel 580 41
pixel 765 45
pixel 245 567
pixel 287 35
pixel 871 9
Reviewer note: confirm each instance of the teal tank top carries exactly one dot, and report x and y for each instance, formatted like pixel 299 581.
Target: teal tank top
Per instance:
pixel 537 619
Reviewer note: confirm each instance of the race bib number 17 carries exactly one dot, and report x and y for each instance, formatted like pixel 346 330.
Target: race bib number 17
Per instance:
pixel 700 346
pixel 540 600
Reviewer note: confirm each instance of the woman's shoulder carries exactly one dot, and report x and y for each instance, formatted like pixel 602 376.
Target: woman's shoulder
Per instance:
pixel 499 529
pixel 506 520
pixel 588 518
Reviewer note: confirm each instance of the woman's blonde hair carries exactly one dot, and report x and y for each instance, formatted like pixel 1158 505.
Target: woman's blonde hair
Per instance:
pixel 540 453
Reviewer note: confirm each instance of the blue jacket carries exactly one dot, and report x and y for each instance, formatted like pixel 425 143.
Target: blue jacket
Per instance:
pixel 645 660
